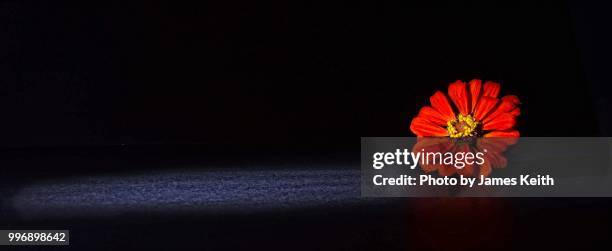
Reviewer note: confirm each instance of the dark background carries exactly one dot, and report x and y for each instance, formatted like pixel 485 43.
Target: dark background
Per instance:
pixel 101 86
pixel 277 73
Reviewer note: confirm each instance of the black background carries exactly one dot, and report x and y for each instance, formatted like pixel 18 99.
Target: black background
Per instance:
pixel 97 86
pixel 244 73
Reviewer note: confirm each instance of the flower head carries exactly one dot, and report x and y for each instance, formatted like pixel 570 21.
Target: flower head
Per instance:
pixel 473 110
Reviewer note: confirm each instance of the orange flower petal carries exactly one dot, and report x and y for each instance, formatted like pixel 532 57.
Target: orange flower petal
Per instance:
pixel 430 145
pixel 493 144
pixel 516 111
pixel 468 169
pixel 428 168
pixel 485 105
pixel 485 168
pixel 458 93
pixel 432 115
pixel 502 122
pixel 446 170
pixel 512 98
pixel 504 107
pixel 475 87
pixel 423 127
pixel 509 134
pixel 498 141
pixel 440 103
pixel 497 159
pixel 491 89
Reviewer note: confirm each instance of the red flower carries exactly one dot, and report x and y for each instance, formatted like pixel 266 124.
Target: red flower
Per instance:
pixel 476 110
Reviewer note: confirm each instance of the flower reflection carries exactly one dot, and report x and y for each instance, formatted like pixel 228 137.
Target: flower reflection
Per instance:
pixel 492 150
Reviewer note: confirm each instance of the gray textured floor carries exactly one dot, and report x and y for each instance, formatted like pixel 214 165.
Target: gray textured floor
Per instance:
pixel 214 191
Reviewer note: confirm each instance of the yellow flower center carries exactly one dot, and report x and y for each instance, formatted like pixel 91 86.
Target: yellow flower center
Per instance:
pixel 462 126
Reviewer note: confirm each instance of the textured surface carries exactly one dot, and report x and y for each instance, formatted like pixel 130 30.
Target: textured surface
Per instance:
pixel 163 191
